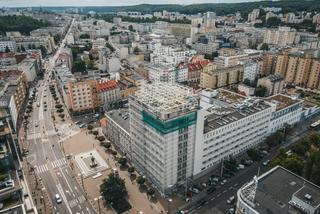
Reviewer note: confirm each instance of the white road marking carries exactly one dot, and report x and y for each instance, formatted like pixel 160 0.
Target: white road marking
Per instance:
pixel 64 197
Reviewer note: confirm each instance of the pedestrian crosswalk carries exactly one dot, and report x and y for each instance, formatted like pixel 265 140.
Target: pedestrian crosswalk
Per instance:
pixel 41 168
pixel 74 202
pixel 34 136
pixel 59 163
pixel 81 199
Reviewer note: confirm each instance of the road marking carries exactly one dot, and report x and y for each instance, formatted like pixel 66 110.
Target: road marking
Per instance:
pixel 230 188
pixel 79 207
pixel 81 199
pixel 73 202
pixel 219 195
pixel 41 168
pixel 88 210
pixel 224 191
pixel 235 185
pixel 75 187
pixel 212 199
pixel 64 197
pixel 54 208
pixel 59 163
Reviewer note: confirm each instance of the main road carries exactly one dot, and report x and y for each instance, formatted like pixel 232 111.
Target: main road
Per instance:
pixel 46 155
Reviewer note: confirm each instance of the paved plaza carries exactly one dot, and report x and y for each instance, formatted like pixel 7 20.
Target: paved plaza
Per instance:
pixel 84 162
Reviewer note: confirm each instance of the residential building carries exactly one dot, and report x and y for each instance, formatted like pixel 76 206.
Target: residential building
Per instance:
pixel 288 110
pixel 228 124
pixel 299 68
pixel 83 96
pixel 117 128
pixel 251 71
pixel 162 128
pixel 252 16
pixel 290 194
pixel 162 73
pixel 273 83
pixel 282 37
pixel 4 43
pixel 109 92
pixel 213 77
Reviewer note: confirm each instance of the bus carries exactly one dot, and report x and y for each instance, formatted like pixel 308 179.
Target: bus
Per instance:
pixel 315 124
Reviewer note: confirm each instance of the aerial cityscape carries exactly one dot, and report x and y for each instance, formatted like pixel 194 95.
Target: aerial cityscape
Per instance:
pixel 146 107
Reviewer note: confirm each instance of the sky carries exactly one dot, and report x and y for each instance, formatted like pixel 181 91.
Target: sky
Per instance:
pixel 29 3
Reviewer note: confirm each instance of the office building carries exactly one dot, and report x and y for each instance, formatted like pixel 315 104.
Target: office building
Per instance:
pixel 278 191
pixel 228 124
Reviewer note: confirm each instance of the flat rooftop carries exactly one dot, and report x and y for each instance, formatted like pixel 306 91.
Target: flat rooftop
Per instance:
pixel 282 101
pixel 228 107
pixel 166 100
pixel 118 116
pixel 276 188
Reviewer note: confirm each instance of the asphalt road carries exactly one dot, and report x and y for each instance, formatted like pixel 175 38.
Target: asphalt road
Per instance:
pixel 47 157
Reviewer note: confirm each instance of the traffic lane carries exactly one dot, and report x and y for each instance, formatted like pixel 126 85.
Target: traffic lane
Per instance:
pixel 52 189
pixel 219 199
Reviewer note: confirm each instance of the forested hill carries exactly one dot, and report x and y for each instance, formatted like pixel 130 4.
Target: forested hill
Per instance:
pixel 219 8
pixel 23 24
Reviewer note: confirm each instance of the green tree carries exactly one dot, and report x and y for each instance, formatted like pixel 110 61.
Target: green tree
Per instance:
pixel 253 154
pixel 43 51
pixel 85 36
pixel 136 50
pixel 108 45
pixel 79 66
pixel 7 49
pixel 141 180
pixel 151 192
pixel 123 161
pixel 264 47
pixel 131 169
pixel 56 38
pixel 261 91
pixel 113 189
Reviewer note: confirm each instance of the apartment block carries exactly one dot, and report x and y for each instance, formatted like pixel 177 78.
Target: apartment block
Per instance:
pixel 213 77
pixel 299 68
pixel 109 92
pixel 83 95
pixel 273 83
pixel 162 128
pixel 227 125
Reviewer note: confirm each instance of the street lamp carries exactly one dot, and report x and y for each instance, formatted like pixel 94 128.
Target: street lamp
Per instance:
pixel 98 199
pixel 169 201
pixel 80 174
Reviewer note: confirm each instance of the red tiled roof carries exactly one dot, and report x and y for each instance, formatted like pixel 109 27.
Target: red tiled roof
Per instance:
pixel 6 55
pixel 107 85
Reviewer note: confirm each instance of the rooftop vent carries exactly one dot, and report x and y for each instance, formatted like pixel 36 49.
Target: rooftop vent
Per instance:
pixel 308 197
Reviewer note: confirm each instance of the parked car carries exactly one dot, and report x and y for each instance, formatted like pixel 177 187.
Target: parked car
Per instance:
pixel 265 163
pixel 211 190
pixel 231 200
pixel 82 125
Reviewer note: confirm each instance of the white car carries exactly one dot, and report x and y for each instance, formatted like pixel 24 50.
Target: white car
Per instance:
pixel 58 199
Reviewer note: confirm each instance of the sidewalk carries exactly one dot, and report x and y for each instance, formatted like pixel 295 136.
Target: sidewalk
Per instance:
pixel 83 142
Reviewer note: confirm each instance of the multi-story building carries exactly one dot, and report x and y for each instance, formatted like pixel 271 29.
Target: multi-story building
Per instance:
pixel 83 96
pixel 227 125
pixel 278 191
pixel 269 63
pixel 301 69
pixel 14 92
pixel 109 92
pixel 253 15
pixel 4 43
pixel 162 128
pixel 288 110
pixel 273 83
pixel 283 36
pixel 251 71
pixel 162 73
pixel 213 77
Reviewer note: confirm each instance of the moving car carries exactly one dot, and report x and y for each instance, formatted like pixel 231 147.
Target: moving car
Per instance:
pixel 58 199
